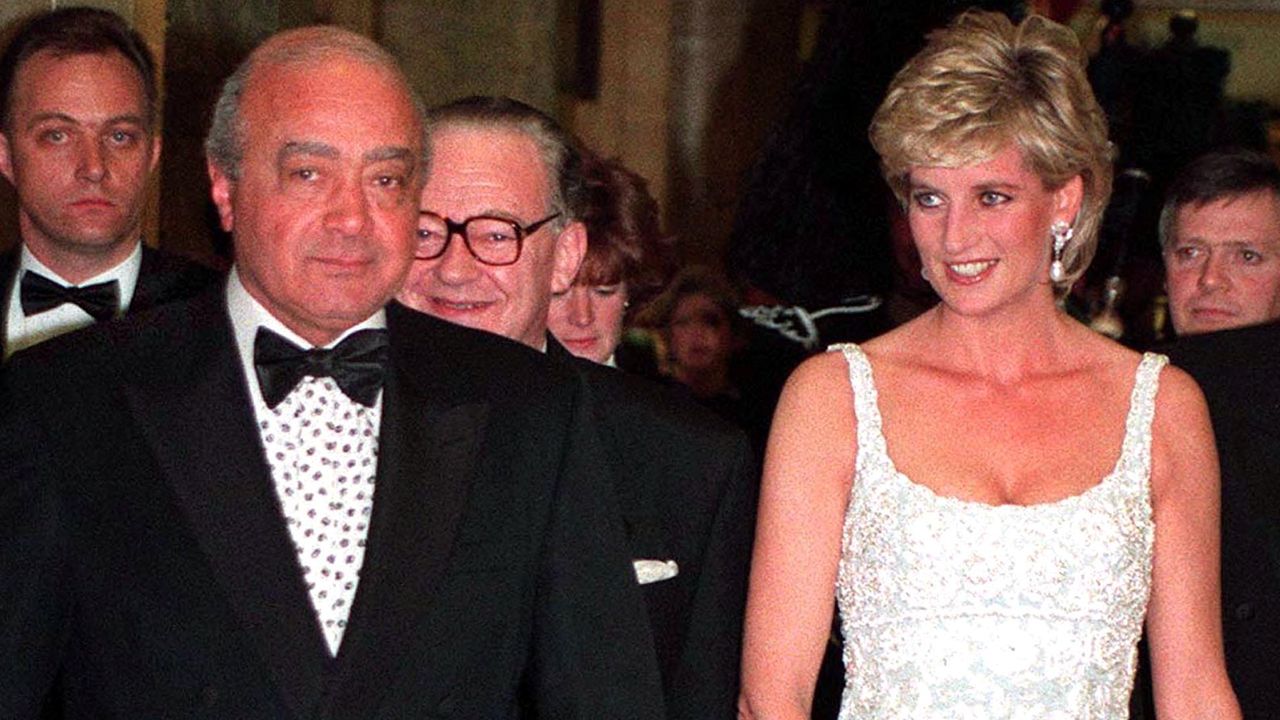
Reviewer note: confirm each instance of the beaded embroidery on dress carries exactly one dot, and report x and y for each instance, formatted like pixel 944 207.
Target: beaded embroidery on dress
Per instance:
pixel 954 609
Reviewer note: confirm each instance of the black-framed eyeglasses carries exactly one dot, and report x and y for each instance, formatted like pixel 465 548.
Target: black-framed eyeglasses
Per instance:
pixel 491 240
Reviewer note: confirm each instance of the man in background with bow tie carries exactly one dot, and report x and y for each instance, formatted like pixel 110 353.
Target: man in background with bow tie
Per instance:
pixel 685 480
pixel 78 144
pixel 283 500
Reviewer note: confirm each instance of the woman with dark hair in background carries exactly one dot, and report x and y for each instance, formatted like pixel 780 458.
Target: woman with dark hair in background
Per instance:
pixel 944 478
pixel 626 264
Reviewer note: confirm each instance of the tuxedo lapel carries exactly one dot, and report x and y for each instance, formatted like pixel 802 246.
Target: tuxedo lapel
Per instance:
pixel 426 461
pixel 188 392
pixel 604 401
pixel 164 278
pixel 556 351
pixel 151 285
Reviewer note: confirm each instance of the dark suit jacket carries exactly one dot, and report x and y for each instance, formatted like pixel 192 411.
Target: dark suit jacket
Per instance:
pixel 144 555
pixel 1239 371
pixel 686 485
pixel 162 277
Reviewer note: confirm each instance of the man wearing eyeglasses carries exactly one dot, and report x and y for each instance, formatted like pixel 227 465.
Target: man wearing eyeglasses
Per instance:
pixel 487 177
pixel 497 235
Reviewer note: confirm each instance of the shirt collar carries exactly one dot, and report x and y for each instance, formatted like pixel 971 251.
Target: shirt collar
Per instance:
pixel 125 273
pixel 247 315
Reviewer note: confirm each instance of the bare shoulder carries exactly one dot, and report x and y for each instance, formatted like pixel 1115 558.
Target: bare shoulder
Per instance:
pixel 815 416
pixel 1179 397
pixel 1184 460
pixel 824 371
pixel 818 390
pixel 1105 360
pixel 1107 354
pixel 1181 422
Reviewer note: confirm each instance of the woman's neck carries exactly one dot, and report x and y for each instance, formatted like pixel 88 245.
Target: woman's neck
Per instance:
pixel 1004 346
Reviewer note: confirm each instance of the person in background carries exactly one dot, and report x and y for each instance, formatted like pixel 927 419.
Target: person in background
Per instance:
pixel 997 497
pixel 624 266
pixel 701 326
pixel 1111 72
pixel 78 145
pixel 500 233
pixel 1220 236
pixel 1221 233
pixel 703 337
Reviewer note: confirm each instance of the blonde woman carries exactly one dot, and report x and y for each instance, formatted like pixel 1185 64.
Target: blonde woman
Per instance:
pixel 996 497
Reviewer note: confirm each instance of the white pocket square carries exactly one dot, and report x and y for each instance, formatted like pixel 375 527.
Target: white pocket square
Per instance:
pixel 651 571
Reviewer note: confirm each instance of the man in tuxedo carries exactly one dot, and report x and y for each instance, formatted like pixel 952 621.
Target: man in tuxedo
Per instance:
pixel 498 236
pixel 1220 233
pixel 281 500
pixel 1237 369
pixel 78 144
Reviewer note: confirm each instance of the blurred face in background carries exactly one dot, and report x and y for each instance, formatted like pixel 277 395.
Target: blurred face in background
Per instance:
pixel 587 319
pixel 700 335
pixel 1222 263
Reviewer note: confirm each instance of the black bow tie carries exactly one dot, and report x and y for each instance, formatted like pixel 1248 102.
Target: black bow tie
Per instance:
pixel 40 294
pixel 357 365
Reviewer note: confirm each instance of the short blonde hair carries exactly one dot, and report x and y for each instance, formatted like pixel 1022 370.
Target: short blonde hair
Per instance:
pixel 981 83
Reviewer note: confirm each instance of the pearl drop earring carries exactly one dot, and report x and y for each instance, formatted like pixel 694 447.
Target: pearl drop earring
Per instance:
pixel 1062 233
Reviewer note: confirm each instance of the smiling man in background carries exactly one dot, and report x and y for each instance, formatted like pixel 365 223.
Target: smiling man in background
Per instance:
pixel 499 233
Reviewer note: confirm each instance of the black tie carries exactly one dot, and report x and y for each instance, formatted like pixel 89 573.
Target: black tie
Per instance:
pixel 40 294
pixel 357 365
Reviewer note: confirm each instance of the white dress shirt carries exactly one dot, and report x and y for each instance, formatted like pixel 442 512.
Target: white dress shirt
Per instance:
pixel 322 451
pixel 23 331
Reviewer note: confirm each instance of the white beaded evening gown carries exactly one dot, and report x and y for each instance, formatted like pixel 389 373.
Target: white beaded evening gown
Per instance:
pixel 954 610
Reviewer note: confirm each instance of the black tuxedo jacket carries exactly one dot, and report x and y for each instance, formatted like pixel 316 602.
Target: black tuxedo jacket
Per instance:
pixel 1239 371
pixel 686 484
pixel 144 555
pixel 162 277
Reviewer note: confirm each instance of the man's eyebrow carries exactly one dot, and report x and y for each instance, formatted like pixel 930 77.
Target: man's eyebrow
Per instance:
pixel 43 117
pixel 129 119
pixel 63 117
pixel 391 152
pixel 294 148
pixel 307 147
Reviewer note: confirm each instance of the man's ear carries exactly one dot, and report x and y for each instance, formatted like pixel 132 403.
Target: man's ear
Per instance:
pixel 6 159
pixel 571 247
pixel 221 189
pixel 155 154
